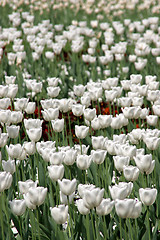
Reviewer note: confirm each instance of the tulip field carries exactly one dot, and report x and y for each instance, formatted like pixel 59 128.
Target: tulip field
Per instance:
pixel 79 120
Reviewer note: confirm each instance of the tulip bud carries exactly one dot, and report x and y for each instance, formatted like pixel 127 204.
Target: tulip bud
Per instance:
pixel 105 207
pixel 59 214
pixel 83 161
pixel 56 172
pixel 148 195
pixel 18 206
pixel 81 131
pixel 67 186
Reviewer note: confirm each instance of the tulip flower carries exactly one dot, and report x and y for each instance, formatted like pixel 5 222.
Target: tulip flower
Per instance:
pixel 24 186
pixel 36 195
pixel 148 195
pixel 57 125
pixel 56 172
pixel 56 158
pixel 131 173
pixel 18 206
pixel 9 166
pixel 145 163
pixel 5 181
pixel 81 131
pixel 93 198
pixel 120 162
pixel 81 207
pixel 121 191
pixel 34 134
pixel 98 156
pixel 59 214
pixel 70 157
pixel 83 161
pixel 13 131
pixel 128 208
pixel 89 114
pixel 105 207
pixel 67 186
pixel 98 142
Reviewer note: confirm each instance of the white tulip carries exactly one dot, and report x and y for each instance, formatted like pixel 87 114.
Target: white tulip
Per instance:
pixel 59 214
pixel 148 195
pixel 67 186
pixel 18 206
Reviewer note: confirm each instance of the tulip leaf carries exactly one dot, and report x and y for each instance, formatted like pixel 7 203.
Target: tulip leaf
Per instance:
pixel 41 175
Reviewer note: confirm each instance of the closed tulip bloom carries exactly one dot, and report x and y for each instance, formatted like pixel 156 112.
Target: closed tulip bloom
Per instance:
pixel 121 191
pixel 14 151
pixel 25 186
pixel 105 207
pixel 98 142
pixel 105 120
pixel 50 114
pixel 148 195
pixel 98 156
pixel 59 214
pixel 53 92
pixel 83 161
pixel 144 113
pixel 95 124
pixel 16 117
pixel 29 204
pixel 5 116
pixel 156 110
pixel 21 104
pixel 78 90
pixel 109 145
pixel 13 131
pixel 77 110
pixel 18 206
pixel 34 134
pixel 30 147
pixel 131 173
pixel 81 207
pixel 58 125
pixel 129 150
pixel 120 162
pixel 145 163
pixel 128 208
pixel 12 90
pixel 86 101
pixel 89 114
pixel 30 108
pixel 56 158
pixel 136 78
pixel 9 166
pixel 5 181
pixel 3 91
pixel 152 143
pixel 67 186
pixel 70 157
pixel 56 172
pixel 5 103
pixel 46 152
pixel 83 187
pixel 137 209
pixel 152 120
pixel 3 139
pixel 93 198
pixel 81 131
pixel 32 123
pixel 64 198
pixel 37 195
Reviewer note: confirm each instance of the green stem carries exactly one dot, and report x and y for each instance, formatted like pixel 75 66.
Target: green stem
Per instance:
pixel 120 221
pixel 93 227
pixel 20 227
pixel 87 226
pixel 38 225
pixel 1 217
pixel 148 223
